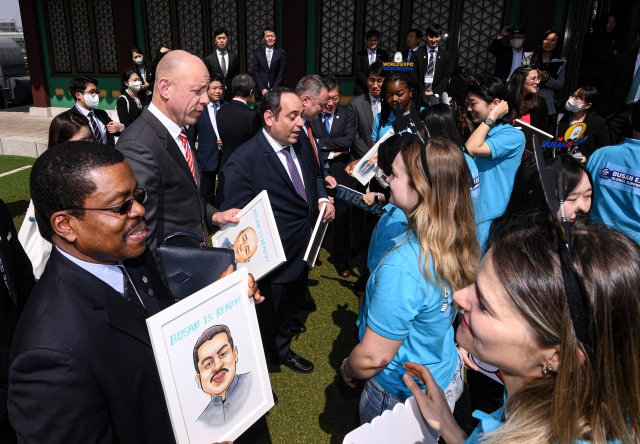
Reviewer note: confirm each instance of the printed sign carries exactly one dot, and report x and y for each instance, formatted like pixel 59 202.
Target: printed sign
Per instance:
pixel 354 198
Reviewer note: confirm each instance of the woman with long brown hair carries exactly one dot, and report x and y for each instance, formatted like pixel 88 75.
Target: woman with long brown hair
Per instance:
pixel 408 310
pixel 523 90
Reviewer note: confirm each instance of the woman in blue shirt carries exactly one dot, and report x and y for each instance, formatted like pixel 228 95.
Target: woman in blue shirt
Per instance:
pixel 495 146
pixel 407 312
pixel 395 89
pixel 566 381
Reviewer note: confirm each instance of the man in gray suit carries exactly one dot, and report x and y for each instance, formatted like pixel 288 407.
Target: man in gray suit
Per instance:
pixel 164 161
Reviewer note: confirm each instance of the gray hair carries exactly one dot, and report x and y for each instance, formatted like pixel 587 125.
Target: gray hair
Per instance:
pixel 311 85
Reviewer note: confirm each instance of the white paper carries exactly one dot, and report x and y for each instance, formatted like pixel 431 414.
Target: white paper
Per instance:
pixel 255 239
pixel 315 243
pixel 366 167
pixel 529 131
pixel 402 425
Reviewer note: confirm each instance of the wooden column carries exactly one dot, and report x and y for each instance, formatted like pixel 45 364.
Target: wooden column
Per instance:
pixel 126 36
pixel 294 39
pixel 35 53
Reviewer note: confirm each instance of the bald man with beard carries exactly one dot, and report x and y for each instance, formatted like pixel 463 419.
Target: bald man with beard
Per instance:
pixel 164 160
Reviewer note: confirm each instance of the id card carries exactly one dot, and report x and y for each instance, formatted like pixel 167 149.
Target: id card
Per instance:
pixel 428 79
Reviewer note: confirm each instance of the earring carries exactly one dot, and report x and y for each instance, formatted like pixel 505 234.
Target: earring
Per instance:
pixel 545 369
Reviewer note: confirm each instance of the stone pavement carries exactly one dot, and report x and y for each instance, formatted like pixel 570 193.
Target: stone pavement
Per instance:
pixel 22 134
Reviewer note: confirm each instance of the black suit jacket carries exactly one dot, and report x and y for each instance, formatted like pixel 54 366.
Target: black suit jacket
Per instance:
pixel 174 201
pixel 618 82
pixel 361 106
pixel 361 64
pixel 597 132
pixel 105 119
pixel 540 117
pixel 207 139
pixel 420 59
pixel 255 167
pixel 504 58
pixel 343 133
pixel 127 109
pixel 265 76
pixel 21 281
pixel 145 95
pixel 237 123
pixel 213 65
pixel 82 366
pixel 443 70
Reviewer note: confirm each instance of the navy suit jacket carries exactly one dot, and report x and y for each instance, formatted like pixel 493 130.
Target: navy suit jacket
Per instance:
pixel 343 133
pixel 237 123
pixel 255 167
pixel 82 352
pixel 102 117
pixel 265 75
pixel 207 140
pixel 361 65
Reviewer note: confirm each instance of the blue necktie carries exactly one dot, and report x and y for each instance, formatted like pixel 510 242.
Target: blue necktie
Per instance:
pixel 293 173
pixel 327 127
pixel 409 55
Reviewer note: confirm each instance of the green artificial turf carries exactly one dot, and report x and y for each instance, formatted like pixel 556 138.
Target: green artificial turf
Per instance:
pixel 14 188
pixel 8 163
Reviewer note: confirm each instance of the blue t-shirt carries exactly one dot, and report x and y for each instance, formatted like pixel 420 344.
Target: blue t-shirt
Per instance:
pixel 496 175
pixel 392 223
pixel 402 305
pixel 615 171
pixel 377 132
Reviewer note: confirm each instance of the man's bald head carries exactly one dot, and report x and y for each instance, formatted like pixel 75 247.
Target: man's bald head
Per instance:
pixel 180 90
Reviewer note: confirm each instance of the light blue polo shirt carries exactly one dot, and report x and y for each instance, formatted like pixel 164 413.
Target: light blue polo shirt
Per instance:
pixel 378 131
pixel 615 171
pixel 392 223
pixel 496 174
pixel 402 305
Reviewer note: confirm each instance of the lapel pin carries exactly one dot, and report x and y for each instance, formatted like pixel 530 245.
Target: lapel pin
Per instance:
pixel 150 292
pixel 337 117
pixel 144 279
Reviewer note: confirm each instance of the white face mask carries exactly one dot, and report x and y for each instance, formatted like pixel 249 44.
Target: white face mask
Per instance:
pixel 138 60
pixel 91 100
pixel 135 86
pixel 516 43
pixel 572 105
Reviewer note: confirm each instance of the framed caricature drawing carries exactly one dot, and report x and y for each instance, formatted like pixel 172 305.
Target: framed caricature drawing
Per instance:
pixel 255 239
pixel 365 169
pixel 211 362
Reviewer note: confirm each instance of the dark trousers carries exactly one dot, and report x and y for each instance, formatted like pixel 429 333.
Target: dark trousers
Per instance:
pixel 486 394
pixel 342 220
pixel 276 313
pixel 619 126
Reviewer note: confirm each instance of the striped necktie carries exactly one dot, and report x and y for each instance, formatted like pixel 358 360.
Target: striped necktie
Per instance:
pixel 97 134
pixel 188 154
pixel 294 174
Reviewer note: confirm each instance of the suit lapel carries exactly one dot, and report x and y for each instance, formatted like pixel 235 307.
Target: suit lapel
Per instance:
pixel 273 159
pixel 366 109
pixel 306 178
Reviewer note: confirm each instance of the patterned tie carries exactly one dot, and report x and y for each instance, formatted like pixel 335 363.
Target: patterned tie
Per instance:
pixel 409 55
pixel 269 55
pixel 293 173
pixel 188 154
pixel 327 126
pixel 312 140
pixel 430 68
pixel 97 134
pixel 130 294
pixel 223 64
pixel 372 57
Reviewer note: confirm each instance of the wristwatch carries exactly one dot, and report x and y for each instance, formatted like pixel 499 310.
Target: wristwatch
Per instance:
pixel 377 198
pixel 490 122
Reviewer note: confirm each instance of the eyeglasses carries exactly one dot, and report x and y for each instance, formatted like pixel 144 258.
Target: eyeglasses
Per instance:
pixel 534 80
pixel 123 209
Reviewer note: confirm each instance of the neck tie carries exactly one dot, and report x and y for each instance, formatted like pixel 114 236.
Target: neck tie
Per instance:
pixel 430 69
pixel 130 293
pixel 312 140
pixel 223 64
pixel 215 109
pixel 188 154
pixel 631 97
pixel 327 124
pixel 97 134
pixel 269 54
pixel 409 55
pixel 293 173
pixel 372 57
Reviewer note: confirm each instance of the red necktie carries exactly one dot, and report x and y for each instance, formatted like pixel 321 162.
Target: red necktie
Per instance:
pixel 188 154
pixel 312 140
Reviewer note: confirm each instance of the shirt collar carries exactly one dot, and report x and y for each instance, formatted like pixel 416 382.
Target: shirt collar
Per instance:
pixel 173 128
pixel 217 400
pixel 109 274
pixel 85 112
pixel 221 52
pixel 428 48
pixel 215 103
pixel 239 100
pixel 373 99
pixel 370 52
pixel 415 49
pixel 273 142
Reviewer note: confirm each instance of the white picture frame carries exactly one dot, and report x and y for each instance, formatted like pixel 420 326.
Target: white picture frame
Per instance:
pixel 366 167
pixel 258 225
pixel 238 393
pixel 529 131
pixel 317 236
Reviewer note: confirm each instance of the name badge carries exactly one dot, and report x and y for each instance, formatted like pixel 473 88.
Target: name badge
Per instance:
pixel 428 78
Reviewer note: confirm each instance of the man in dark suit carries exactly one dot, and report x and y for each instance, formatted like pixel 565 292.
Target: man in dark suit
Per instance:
pixel 619 92
pixel 335 131
pixel 82 365
pixel 16 283
pixel 508 59
pixel 365 58
pixel 237 122
pixel 269 64
pixel 274 160
pixel 222 62
pixel 209 141
pixel 162 158
pixel 85 92
pixel 439 64
pixel 419 56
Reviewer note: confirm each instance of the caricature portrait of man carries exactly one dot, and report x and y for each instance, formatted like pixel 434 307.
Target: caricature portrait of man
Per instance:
pixel 215 358
pixel 244 246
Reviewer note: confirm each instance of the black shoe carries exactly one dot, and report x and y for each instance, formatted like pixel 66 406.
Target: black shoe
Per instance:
pixel 296 363
pixel 275 398
pixel 343 269
pixel 308 305
pixel 297 326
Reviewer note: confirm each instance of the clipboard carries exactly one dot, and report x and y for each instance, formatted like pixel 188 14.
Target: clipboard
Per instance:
pixel 529 131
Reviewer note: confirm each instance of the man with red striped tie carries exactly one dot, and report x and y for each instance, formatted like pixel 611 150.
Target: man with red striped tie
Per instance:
pixel 163 159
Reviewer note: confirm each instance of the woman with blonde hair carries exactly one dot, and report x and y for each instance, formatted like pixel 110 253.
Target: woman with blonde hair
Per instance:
pixel 408 309
pixel 563 330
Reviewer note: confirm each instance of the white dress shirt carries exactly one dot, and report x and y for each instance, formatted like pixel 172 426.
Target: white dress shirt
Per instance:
pixel 369 54
pixel 212 116
pixel 170 125
pixel 85 112
pixel 516 60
